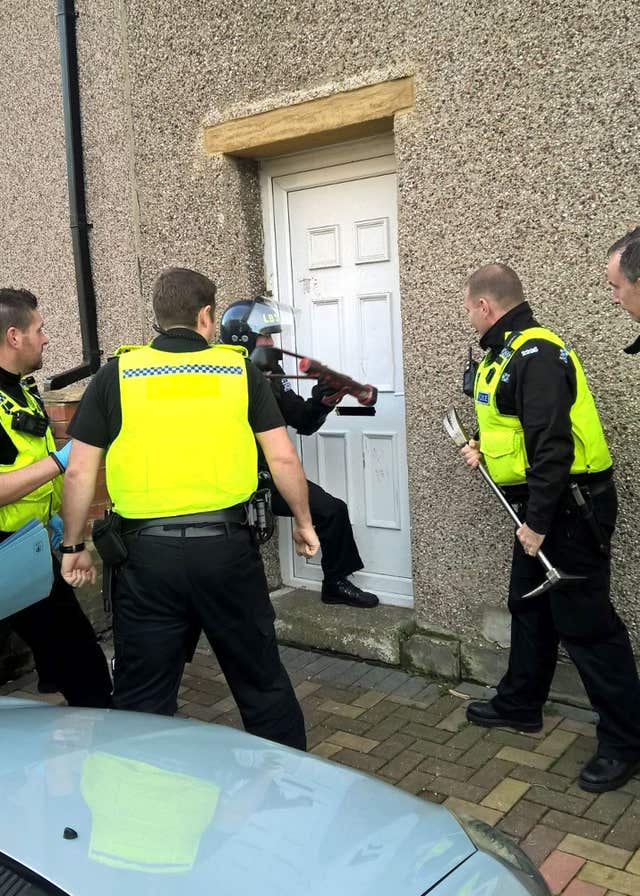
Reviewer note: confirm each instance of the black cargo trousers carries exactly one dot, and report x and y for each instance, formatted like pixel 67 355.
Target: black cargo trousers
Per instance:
pixel 172 585
pixel 581 616
pixel 330 517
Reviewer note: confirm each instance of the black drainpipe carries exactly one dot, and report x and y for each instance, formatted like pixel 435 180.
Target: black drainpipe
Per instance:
pixel 66 16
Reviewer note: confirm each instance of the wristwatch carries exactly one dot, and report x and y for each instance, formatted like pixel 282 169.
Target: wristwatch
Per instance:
pixel 72 548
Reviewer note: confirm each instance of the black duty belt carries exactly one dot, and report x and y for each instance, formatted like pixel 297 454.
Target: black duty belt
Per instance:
pixel 592 483
pixel 194 525
pixel 593 487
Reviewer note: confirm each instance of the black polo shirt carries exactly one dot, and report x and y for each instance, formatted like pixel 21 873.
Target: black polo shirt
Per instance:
pixel 99 416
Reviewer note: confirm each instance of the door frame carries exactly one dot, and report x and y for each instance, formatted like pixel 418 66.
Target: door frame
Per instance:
pixel 278 177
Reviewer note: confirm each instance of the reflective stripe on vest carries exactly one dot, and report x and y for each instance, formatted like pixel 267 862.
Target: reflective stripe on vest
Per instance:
pixel 185 445
pixel 45 500
pixel 501 435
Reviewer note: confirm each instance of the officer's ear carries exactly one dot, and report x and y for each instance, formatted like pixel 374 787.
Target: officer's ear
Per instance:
pixel 487 306
pixel 13 337
pixel 204 316
pixel 205 324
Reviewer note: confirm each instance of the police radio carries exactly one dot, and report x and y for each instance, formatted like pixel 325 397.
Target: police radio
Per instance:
pixel 469 375
pixel 33 424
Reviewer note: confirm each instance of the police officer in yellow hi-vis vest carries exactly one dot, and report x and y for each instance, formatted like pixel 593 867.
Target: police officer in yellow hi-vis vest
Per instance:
pixel 178 420
pixel 60 636
pixel 539 433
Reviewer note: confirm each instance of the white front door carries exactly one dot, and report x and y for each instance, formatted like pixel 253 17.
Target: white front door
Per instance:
pixel 335 253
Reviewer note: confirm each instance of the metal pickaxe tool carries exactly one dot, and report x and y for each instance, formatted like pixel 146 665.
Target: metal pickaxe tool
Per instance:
pixel 554 576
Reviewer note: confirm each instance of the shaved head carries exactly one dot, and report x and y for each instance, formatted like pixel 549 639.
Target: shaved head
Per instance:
pixel 630 239
pixel 497 281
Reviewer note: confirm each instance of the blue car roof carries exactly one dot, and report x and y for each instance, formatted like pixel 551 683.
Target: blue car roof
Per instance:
pixel 168 806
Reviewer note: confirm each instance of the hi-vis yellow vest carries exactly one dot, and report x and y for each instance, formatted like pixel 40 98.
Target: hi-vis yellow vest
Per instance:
pixel 185 445
pixel 44 501
pixel 501 436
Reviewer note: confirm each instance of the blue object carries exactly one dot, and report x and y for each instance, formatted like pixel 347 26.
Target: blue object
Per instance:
pixel 56 527
pixel 26 573
pixel 171 807
pixel 62 454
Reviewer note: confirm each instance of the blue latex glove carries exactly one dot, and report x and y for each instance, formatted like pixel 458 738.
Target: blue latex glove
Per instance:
pixel 56 527
pixel 62 454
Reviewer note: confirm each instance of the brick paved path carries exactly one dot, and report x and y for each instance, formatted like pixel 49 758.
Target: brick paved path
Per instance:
pixel 413 734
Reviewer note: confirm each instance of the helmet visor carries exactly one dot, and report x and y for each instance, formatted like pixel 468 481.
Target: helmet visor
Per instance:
pixel 269 317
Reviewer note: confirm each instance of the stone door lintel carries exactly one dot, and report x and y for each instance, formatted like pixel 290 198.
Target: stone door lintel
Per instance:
pixel 352 115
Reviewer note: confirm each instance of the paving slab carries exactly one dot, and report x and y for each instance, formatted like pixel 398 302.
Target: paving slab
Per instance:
pixel 559 869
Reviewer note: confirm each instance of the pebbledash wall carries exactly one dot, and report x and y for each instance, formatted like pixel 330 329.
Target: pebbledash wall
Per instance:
pixel 520 147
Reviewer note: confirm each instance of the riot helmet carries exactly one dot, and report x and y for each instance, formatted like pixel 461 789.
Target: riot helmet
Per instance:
pixel 242 322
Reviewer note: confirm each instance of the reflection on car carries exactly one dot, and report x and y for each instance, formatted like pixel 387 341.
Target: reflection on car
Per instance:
pixel 103 802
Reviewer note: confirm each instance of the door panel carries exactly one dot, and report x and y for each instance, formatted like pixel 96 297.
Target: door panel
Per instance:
pixel 342 277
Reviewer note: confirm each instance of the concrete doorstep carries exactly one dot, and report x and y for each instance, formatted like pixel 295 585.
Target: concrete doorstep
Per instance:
pixel 390 635
pixel 304 621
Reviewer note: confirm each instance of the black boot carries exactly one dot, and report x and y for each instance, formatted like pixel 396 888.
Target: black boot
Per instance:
pixel 601 773
pixel 482 712
pixel 342 591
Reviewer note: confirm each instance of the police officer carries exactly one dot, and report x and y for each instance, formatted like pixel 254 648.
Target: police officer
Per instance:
pixel 177 420
pixel 57 631
pixel 252 323
pixel 539 432
pixel 623 275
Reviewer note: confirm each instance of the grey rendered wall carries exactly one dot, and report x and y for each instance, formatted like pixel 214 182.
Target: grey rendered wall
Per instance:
pixel 36 251
pixel 35 236
pixel 521 148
